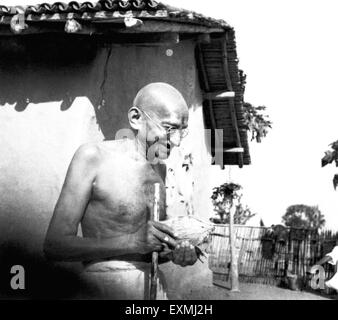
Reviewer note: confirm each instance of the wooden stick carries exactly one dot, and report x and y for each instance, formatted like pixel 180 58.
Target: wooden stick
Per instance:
pixel 233 253
pixel 154 260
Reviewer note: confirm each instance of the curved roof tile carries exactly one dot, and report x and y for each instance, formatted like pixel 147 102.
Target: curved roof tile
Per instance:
pixel 134 6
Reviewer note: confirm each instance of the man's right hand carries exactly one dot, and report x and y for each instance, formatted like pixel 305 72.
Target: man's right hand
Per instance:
pixel 156 236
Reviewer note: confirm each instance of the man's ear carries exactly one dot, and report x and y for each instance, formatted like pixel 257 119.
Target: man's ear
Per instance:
pixel 134 116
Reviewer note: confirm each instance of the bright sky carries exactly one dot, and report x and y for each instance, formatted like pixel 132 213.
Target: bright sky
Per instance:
pixel 289 51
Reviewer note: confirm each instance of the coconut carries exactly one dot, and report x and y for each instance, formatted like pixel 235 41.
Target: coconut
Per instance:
pixel 192 229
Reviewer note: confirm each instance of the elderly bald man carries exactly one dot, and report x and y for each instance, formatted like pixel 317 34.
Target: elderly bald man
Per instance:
pixel 108 189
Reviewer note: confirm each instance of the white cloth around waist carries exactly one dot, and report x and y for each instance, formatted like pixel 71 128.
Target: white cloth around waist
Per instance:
pixel 116 265
pixel 117 279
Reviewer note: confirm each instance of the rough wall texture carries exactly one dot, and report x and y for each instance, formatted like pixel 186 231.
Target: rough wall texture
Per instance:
pixel 48 109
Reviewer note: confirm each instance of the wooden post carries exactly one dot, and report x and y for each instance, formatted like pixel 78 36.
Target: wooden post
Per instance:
pixel 233 251
pixel 289 254
pixel 154 260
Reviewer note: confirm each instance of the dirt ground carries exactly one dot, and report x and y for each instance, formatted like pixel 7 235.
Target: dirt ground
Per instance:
pixel 249 291
pixel 196 283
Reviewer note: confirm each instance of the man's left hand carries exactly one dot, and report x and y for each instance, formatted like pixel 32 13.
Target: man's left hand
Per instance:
pixel 184 254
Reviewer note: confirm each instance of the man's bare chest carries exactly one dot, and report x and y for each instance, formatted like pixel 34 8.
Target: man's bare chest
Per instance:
pixel 128 190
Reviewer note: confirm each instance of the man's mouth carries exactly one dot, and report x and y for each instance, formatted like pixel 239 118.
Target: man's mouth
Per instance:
pixel 164 143
pixel 166 149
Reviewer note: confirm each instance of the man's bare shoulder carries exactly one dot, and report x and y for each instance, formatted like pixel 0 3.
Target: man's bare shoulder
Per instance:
pixel 89 153
pixel 95 152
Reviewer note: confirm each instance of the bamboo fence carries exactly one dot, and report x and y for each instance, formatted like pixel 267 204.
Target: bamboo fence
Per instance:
pixel 268 257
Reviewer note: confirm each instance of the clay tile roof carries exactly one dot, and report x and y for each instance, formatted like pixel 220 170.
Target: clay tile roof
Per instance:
pixel 137 8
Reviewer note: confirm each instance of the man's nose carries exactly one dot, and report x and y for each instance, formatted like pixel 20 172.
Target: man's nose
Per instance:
pixel 175 139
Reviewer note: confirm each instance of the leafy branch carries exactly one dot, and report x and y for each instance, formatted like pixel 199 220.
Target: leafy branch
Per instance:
pixel 222 198
pixel 256 121
pixel 329 157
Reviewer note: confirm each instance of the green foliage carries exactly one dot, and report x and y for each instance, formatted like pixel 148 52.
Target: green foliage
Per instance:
pixel 222 198
pixel 256 122
pixel 225 191
pixel 303 216
pixel 329 157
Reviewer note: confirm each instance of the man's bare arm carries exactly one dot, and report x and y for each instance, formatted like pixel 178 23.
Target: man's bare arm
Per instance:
pixel 62 242
pixel 324 260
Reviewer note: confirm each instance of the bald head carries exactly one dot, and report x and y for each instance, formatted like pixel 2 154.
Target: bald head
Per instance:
pixel 160 98
pixel 164 108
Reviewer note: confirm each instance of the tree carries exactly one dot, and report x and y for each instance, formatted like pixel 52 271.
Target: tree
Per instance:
pixel 303 216
pixel 329 157
pixel 224 198
pixel 220 198
pixel 256 122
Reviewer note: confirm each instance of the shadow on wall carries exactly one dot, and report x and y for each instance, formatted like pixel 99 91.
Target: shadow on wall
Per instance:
pixel 34 69
pixel 45 68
